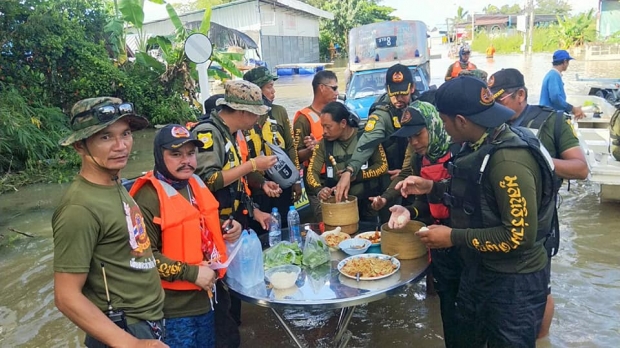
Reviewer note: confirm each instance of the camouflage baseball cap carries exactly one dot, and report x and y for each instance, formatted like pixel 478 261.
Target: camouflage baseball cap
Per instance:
pixel 481 74
pixel 84 123
pixel 259 76
pixel 243 96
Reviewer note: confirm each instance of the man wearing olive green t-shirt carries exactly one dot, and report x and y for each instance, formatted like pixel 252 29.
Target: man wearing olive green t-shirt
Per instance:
pixel 98 226
pixel 555 133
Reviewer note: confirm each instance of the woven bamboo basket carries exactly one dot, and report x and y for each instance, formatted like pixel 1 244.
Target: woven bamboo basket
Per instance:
pixel 403 241
pixel 343 214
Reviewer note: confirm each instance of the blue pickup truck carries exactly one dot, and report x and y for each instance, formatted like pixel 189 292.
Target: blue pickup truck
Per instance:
pixel 373 48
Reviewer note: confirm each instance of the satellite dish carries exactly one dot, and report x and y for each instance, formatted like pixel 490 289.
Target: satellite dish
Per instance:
pixel 198 48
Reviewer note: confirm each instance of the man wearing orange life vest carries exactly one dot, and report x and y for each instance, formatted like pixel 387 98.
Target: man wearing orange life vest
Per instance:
pixel 307 128
pixel 307 123
pixel 462 64
pixel 183 225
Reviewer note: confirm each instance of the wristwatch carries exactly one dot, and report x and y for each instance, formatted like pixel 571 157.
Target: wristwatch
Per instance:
pixel 348 169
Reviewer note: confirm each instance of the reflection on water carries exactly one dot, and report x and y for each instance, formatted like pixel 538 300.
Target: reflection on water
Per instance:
pixel 586 279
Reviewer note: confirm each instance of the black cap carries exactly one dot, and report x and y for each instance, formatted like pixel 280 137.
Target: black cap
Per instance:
pixel 173 136
pixel 411 123
pixel 399 80
pixel 471 98
pixel 504 80
pixel 209 104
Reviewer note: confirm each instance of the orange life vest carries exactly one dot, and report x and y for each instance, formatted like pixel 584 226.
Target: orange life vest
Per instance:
pixel 316 128
pixel 180 222
pixel 436 172
pixel 456 68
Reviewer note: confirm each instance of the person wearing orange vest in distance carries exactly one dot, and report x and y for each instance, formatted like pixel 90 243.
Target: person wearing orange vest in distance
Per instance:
pixel 490 51
pixel 221 166
pixel 430 147
pixel 183 225
pixel 307 128
pixel 462 64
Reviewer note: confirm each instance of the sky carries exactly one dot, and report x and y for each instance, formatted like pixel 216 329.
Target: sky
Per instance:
pixel 439 10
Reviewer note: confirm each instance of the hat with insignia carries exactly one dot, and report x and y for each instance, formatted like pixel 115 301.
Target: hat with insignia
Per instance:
pixel 411 123
pixel 242 95
pixel 471 98
pixel 504 80
pixel 89 116
pixel 173 136
pixel 399 80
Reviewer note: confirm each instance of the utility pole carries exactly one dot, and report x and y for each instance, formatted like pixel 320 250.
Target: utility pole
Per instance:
pixel 473 26
pixel 531 29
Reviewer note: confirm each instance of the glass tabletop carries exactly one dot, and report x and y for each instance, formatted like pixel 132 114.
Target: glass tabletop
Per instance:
pixel 325 287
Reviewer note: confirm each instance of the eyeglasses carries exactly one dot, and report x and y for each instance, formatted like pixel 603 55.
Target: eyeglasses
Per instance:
pixel 101 115
pixel 334 88
pixel 501 100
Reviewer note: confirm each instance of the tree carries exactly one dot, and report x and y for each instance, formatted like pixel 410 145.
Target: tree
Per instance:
pixel 556 7
pixel 575 31
pixel 491 9
pixel 510 10
pixel 184 7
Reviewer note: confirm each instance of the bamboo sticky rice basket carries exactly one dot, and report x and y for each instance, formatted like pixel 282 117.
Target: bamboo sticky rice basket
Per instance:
pixel 403 241
pixel 344 214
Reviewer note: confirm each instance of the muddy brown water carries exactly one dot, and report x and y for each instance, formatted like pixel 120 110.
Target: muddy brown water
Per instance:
pixel 586 278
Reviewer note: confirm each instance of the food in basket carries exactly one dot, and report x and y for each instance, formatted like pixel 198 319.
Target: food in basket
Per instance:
pixel 373 237
pixel 368 267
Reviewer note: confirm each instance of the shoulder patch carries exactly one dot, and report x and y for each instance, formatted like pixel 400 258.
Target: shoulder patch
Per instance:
pixel 207 139
pixel 570 124
pixel 370 125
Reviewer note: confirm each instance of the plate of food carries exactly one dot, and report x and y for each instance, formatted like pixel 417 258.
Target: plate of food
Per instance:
pixel 334 237
pixel 369 266
pixel 374 237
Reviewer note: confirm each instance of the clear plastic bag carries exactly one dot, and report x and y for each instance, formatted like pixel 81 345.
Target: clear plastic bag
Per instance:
pixel 246 268
pixel 316 252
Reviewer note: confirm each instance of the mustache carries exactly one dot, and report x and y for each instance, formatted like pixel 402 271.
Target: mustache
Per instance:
pixel 187 166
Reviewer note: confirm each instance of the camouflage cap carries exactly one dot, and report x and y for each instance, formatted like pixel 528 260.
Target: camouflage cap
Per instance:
pixel 259 76
pixel 84 124
pixel 481 74
pixel 243 96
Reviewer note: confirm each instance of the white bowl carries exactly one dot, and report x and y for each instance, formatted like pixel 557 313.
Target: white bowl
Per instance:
pixel 355 246
pixel 283 277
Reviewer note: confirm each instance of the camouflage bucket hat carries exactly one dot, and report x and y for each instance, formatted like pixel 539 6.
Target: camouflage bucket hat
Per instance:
pixel 85 123
pixel 481 74
pixel 243 96
pixel 259 76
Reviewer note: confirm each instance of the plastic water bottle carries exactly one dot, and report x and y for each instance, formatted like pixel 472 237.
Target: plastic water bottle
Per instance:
pixel 293 225
pixel 275 233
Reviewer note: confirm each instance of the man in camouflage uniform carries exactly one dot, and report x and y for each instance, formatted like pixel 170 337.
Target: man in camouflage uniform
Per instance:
pixel 274 127
pixel 382 122
pixel 227 175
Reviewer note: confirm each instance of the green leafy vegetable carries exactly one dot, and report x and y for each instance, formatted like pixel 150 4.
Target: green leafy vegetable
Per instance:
pixel 283 253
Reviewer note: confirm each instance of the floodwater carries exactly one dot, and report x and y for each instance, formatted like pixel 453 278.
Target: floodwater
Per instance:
pixel 586 278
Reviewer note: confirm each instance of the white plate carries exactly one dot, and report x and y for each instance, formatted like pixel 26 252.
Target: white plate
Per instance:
pixel 394 260
pixel 371 233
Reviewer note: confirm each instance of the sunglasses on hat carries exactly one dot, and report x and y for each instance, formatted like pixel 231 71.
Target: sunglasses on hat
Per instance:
pixel 102 114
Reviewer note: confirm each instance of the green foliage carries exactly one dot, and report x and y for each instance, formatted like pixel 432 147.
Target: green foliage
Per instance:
pixel 348 14
pixel 556 7
pixel 505 9
pixel 575 31
pixel 543 42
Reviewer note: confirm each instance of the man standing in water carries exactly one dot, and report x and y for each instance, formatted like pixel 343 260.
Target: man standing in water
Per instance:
pixel 552 92
pixel 105 280
pixel 462 64
pixel 182 220
pixel 558 137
